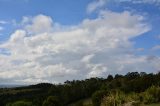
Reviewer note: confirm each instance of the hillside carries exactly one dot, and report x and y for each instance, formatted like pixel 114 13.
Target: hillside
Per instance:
pixel 135 88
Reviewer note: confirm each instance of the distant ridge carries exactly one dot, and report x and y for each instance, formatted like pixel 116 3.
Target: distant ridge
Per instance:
pixel 10 85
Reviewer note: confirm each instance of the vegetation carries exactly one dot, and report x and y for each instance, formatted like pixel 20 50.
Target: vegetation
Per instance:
pixel 20 103
pixel 119 98
pixel 132 89
pixel 52 101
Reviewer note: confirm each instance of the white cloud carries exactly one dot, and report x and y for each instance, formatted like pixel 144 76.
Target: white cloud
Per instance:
pixel 40 24
pixel 95 47
pixel 1 25
pixel 95 5
pixel 3 22
pixel 99 4
pixel 156 2
pixel 152 2
pixel 157 47
pixel 87 58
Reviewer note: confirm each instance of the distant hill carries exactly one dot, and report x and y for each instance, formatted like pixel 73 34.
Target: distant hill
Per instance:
pixel 10 85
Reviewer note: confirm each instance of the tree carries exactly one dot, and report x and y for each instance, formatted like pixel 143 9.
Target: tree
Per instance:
pixel 109 78
pixel 143 74
pixel 118 76
pixel 132 75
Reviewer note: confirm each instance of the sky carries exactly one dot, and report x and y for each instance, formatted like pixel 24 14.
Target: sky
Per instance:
pixel 58 40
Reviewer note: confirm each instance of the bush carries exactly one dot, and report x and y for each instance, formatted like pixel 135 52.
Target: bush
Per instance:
pixel 115 98
pixel 148 99
pixel 52 101
pixel 108 101
pixel 151 95
pixel 134 97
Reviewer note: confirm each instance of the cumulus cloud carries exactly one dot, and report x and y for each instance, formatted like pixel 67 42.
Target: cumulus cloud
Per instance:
pixel 95 47
pixel 39 24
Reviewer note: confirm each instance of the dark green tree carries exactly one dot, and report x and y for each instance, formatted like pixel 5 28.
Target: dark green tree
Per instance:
pixel 109 78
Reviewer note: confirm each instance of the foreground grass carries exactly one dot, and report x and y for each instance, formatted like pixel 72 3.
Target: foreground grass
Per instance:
pixel 153 104
pixel 88 102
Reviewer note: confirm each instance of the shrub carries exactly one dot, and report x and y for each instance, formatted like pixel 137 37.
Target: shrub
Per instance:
pixel 115 98
pixel 151 95
pixel 52 101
